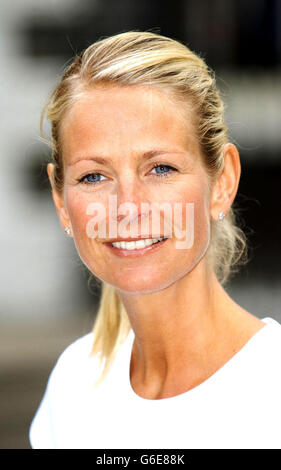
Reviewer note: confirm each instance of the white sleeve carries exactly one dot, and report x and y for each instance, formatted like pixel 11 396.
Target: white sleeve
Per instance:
pixel 51 418
pixel 41 433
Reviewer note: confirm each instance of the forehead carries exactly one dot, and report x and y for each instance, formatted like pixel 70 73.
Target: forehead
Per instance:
pixel 113 119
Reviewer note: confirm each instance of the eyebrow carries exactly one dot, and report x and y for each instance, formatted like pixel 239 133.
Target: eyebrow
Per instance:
pixel 146 156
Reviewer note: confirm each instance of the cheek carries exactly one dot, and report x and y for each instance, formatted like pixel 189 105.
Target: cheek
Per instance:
pixel 199 218
pixel 201 210
pixel 77 206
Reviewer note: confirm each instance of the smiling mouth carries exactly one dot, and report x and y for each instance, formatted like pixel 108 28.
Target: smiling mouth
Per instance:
pixel 135 245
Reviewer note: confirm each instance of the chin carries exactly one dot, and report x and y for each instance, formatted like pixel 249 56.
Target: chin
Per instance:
pixel 139 288
pixel 137 284
pixel 141 285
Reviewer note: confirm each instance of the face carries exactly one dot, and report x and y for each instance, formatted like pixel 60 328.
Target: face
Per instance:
pixel 133 145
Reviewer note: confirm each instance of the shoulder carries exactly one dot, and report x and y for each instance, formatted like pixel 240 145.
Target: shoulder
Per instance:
pixel 272 342
pixel 271 333
pixel 67 382
pixel 74 362
pixel 75 367
pixel 77 351
pixel 266 343
pixel 263 355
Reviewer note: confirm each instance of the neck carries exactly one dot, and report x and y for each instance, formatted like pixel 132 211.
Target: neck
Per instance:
pixel 191 322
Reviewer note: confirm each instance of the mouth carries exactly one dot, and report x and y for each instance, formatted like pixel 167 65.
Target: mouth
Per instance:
pixel 136 247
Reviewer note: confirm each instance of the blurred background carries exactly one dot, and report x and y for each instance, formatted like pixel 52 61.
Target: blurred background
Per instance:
pixel 45 299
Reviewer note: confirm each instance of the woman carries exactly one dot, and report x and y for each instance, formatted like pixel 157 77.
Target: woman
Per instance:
pixel 173 361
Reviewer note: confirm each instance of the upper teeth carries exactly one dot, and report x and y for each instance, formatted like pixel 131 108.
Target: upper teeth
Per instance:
pixel 136 244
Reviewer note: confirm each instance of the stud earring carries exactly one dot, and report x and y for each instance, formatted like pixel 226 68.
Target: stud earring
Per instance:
pixel 67 230
pixel 221 215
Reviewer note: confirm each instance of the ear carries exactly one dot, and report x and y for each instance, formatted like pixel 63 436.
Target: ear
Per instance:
pixel 226 186
pixel 58 200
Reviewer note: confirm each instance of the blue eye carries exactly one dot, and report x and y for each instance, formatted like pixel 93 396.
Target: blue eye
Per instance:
pixel 165 170
pixel 91 178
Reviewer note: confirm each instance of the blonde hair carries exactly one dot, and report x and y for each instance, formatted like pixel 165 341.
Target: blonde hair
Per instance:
pixel 145 58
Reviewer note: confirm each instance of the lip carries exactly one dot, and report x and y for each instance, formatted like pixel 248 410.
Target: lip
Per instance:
pixel 134 253
pixel 130 239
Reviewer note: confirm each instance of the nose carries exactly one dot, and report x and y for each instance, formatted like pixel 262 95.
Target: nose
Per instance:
pixel 130 194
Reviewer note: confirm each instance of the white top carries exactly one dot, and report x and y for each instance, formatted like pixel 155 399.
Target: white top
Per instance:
pixel 239 406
